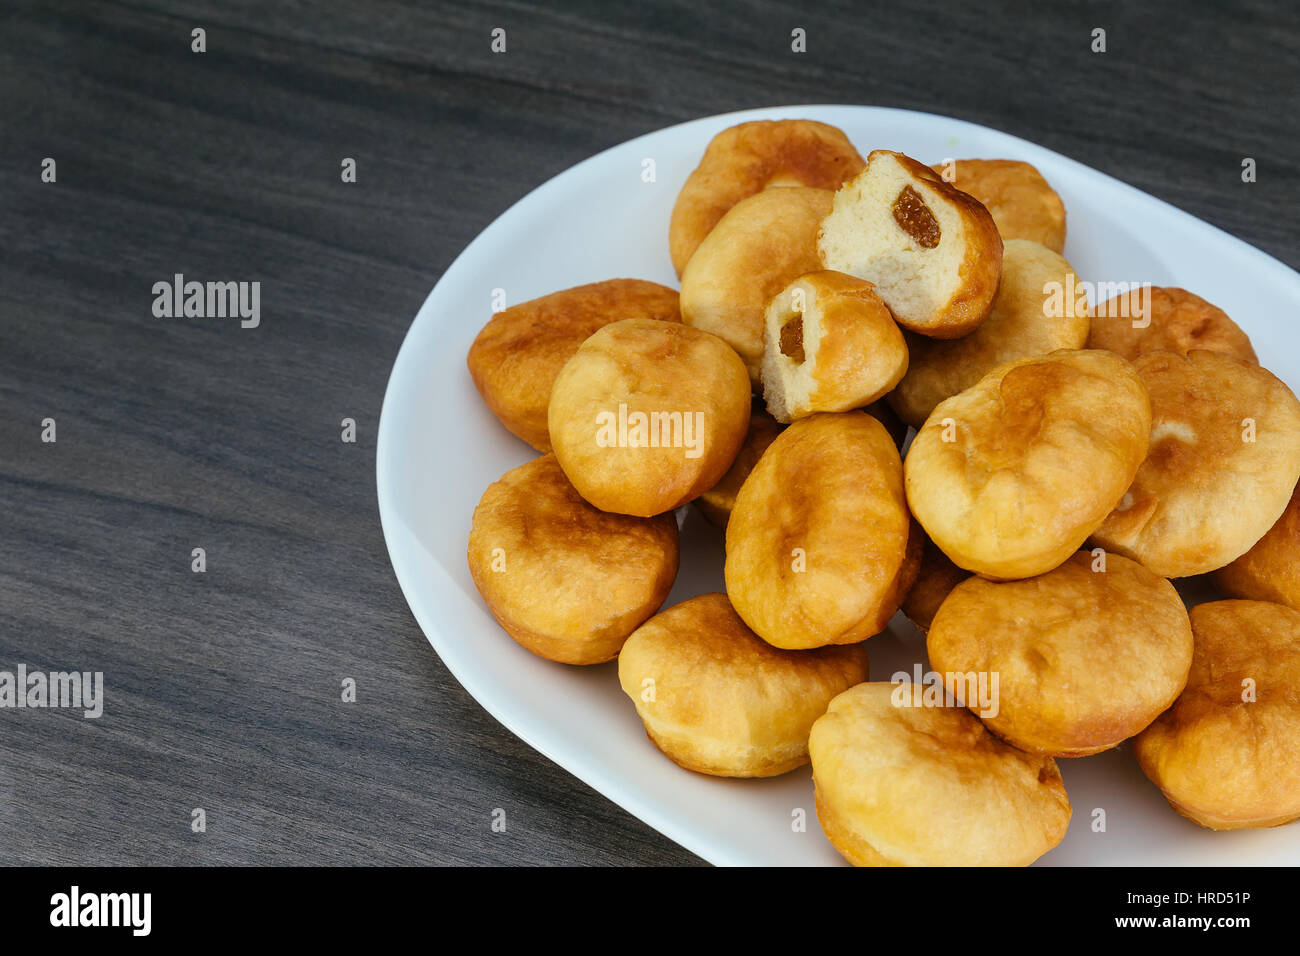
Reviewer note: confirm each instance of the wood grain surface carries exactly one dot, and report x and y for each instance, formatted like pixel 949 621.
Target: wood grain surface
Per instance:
pixel 223 689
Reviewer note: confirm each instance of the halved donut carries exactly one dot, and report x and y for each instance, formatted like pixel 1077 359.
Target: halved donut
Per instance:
pixel 931 250
pixel 831 345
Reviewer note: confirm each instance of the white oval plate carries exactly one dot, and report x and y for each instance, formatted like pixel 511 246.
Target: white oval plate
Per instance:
pixel 439 448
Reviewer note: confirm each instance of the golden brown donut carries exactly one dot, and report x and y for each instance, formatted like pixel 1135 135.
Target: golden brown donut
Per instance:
pixel 1226 755
pixel 1206 494
pixel 717 699
pixel 566 580
pixel 935 580
pixel 929 786
pixel 831 346
pixel 1178 322
pixel 749 158
pixel 716 503
pixel 515 359
pixel 1022 204
pixel 1084 658
pixel 1033 314
pixel 817 545
pixel 758 247
pixel 1011 476
pixel 648 415
pixel 932 251
pixel 1270 571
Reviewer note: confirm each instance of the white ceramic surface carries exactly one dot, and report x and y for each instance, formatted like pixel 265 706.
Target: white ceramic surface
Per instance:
pixel 439 447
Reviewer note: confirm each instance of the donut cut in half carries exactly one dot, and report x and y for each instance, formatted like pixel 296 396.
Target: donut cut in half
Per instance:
pixel 932 251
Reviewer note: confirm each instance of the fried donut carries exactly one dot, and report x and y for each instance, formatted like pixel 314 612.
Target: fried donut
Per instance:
pixel 831 345
pixel 746 159
pixel 1270 571
pixel 1226 755
pixel 515 359
pixel 1224 459
pixel 1011 476
pixel 932 251
pixel 818 543
pixel 648 415
pixel 1022 204
pixel 716 503
pixel 935 580
pixel 1086 655
pixel 901 785
pixel 566 580
pixel 1178 322
pixel 761 245
pixel 717 699
pixel 1032 315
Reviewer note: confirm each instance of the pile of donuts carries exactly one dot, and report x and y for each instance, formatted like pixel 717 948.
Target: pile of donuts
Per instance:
pixel 1064 461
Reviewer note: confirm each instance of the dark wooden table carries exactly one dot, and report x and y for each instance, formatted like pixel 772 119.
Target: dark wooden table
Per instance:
pixel 223 689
